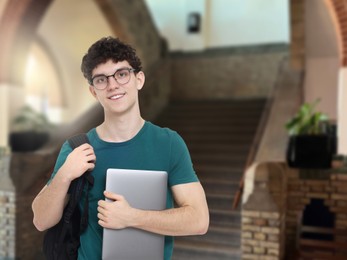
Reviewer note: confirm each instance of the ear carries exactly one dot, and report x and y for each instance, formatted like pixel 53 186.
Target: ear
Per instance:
pixel 140 78
pixel 92 90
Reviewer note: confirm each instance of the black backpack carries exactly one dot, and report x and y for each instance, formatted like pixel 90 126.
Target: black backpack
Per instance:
pixel 61 242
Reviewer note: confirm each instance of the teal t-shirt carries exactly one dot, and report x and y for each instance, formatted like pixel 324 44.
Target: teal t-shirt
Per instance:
pixel 153 148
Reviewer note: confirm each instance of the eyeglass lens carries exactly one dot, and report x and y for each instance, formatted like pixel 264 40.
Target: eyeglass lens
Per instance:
pixel 122 77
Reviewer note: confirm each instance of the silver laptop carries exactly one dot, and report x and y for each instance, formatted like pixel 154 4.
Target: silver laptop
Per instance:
pixel 143 190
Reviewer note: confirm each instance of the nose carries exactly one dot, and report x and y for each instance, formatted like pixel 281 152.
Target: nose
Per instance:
pixel 112 83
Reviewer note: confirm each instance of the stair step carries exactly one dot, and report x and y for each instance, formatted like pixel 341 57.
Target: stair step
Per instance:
pixel 194 250
pixel 179 122
pixel 217 114
pixel 220 193
pixel 230 138
pixel 205 154
pixel 219 172
pixel 205 116
pixel 219 135
pixel 220 201
pixel 212 185
pixel 228 236
pixel 225 217
pixel 212 129
pixel 213 106
pixel 216 158
pixel 219 147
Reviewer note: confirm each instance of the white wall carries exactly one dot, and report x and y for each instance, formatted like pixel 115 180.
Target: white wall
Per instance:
pixel 170 17
pixel 224 22
pixel 321 81
pixel 247 22
pixel 322 58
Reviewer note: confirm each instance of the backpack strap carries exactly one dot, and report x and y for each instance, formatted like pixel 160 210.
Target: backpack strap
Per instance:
pixel 77 185
pixel 78 140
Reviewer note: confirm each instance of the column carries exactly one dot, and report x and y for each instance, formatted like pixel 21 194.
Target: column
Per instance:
pixel 342 112
pixel 11 99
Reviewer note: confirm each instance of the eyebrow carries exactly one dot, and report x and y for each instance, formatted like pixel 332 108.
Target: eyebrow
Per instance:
pixel 96 75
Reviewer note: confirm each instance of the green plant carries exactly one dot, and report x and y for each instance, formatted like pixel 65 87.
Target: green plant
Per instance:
pixel 28 119
pixel 307 120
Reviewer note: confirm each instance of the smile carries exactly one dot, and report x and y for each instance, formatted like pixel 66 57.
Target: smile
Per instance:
pixel 117 96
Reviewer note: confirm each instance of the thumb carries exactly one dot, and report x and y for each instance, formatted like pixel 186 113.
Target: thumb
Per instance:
pixel 113 196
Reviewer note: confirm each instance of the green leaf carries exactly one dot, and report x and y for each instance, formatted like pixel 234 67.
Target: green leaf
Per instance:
pixel 306 120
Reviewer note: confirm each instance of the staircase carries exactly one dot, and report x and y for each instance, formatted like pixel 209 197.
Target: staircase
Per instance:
pixel 219 135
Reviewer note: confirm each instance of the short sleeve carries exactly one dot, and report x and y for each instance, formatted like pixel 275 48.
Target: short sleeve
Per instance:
pixel 64 152
pixel 181 166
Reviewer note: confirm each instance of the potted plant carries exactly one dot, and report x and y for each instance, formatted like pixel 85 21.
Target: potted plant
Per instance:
pixel 312 141
pixel 30 130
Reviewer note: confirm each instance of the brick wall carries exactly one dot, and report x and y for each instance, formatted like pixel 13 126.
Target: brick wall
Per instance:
pixel 306 185
pixel 297 23
pixel 7 211
pixel 263 212
pixel 271 213
pixel 7 224
pixel 27 173
pixel 19 239
pixel 260 235
pixel 237 72
pixel 339 8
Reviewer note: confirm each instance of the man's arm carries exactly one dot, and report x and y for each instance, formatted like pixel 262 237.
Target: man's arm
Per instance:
pixel 191 217
pixel 49 204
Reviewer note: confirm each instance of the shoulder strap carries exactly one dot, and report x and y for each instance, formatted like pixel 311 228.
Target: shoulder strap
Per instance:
pixel 77 185
pixel 78 140
pixel 75 190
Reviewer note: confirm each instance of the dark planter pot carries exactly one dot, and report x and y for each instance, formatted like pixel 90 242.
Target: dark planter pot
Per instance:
pixel 311 151
pixel 27 141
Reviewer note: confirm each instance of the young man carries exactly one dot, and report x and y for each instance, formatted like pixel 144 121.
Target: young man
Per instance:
pixel 124 140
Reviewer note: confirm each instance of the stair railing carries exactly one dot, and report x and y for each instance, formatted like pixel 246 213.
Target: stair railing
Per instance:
pixel 259 132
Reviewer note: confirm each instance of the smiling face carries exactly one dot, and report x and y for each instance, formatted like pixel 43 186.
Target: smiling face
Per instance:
pixel 118 99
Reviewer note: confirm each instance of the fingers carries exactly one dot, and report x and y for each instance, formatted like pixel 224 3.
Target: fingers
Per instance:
pixel 113 196
pixel 85 149
pixel 102 217
pixel 86 152
pixel 103 213
pixel 80 160
pixel 110 211
pixel 110 196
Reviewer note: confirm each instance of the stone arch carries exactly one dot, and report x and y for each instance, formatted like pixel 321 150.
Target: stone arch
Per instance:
pixel 338 10
pixel 21 18
pixel 51 56
pixel 18 24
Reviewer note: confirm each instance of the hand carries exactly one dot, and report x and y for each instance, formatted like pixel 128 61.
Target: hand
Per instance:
pixel 80 160
pixel 114 214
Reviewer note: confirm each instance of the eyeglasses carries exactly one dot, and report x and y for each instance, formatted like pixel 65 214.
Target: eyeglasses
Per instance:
pixel 122 76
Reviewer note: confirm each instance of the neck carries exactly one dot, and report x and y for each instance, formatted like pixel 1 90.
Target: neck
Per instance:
pixel 119 129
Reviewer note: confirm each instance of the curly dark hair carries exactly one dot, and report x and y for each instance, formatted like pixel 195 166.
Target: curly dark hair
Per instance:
pixel 105 49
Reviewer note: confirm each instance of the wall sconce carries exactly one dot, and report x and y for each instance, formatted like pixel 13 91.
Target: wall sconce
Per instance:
pixel 194 22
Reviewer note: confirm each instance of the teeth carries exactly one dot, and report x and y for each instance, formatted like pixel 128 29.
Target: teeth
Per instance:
pixel 117 96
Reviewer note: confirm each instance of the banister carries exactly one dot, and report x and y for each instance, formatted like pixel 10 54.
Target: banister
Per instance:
pixel 259 132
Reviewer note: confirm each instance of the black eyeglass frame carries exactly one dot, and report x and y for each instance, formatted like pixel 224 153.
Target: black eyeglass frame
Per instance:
pixel 112 75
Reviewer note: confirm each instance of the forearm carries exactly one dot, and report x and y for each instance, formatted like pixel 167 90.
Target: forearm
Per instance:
pixel 191 217
pixel 181 221
pixel 50 202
